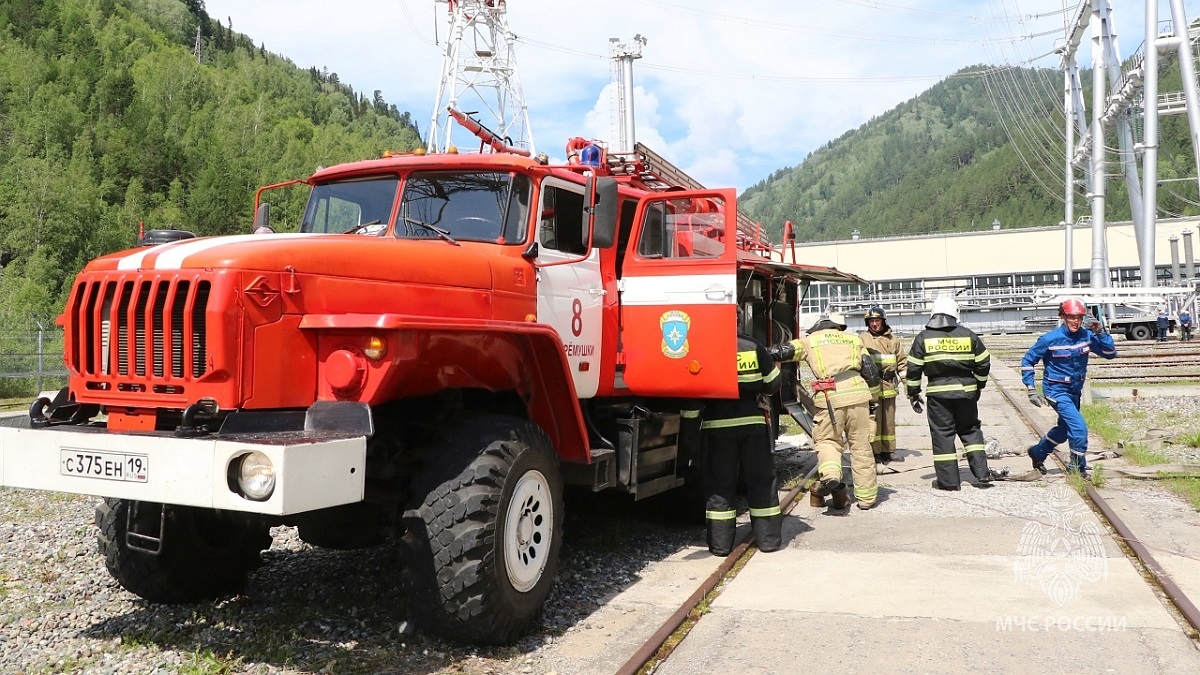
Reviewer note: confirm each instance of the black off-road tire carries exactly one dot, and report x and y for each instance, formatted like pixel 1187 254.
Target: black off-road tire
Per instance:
pixel 481 548
pixel 1139 332
pixel 205 554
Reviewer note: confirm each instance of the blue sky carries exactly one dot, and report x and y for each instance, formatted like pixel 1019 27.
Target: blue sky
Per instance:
pixel 730 92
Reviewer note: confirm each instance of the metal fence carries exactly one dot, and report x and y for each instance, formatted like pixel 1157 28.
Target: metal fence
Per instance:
pixel 31 362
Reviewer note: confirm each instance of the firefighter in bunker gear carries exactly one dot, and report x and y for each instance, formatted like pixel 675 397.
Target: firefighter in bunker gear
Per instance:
pixel 888 352
pixel 838 361
pixel 1064 353
pixel 956 363
pixel 738 435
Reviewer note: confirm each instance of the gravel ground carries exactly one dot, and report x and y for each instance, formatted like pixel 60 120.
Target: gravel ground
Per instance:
pixel 306 610
pixel 1171 418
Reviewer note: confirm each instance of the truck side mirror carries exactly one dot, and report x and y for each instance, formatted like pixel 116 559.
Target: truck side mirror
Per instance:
pixel 600 211
pixel 262 219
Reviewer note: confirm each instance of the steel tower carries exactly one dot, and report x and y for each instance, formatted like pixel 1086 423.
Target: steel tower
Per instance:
pixel 479 76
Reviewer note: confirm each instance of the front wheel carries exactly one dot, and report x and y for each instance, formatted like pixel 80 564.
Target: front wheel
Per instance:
pixel 204 554
pixel 482 546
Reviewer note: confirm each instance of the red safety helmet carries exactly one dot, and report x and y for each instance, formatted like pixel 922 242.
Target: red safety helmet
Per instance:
pixel 1073 306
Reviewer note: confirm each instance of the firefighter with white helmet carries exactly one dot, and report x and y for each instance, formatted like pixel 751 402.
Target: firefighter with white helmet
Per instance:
pixel 1064 354
pixel 956 363
pixel 843 375
pixel 888 352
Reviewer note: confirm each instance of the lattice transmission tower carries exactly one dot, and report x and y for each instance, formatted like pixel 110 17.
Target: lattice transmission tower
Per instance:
pixel 479 76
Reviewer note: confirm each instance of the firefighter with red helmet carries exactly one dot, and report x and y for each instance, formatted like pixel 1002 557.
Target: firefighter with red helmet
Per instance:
pixel 888 352
pixel 1064 353
pixel 739 439
pixel 957 364
pixel 843 375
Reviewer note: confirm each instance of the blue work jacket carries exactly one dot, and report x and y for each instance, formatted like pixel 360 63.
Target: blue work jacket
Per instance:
pixel 1065 357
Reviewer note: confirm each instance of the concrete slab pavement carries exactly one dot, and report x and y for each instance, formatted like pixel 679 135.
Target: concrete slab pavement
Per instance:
pixel 1015 578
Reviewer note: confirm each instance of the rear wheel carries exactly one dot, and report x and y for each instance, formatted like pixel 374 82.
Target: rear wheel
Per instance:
pixel 1139 332
pixel 205 553
pixel 482 546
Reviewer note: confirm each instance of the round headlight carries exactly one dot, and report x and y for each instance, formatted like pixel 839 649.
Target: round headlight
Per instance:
pixel 256 476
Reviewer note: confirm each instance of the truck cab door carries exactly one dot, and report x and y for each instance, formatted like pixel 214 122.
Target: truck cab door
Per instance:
pixel 570 293
pixel 678 293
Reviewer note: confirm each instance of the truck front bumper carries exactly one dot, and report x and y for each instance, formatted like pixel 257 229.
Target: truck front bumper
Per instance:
pixel 312 471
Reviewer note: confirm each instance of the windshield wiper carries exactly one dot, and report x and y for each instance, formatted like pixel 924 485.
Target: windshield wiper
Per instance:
pixel 444 234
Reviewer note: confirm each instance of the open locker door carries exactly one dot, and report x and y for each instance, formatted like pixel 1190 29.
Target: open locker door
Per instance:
pixel 678 316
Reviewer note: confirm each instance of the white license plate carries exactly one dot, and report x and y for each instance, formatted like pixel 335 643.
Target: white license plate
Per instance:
pixel 121 466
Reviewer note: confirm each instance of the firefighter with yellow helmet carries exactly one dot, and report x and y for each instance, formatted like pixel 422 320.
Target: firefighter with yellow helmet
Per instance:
pixel 888 351
pixel 843 375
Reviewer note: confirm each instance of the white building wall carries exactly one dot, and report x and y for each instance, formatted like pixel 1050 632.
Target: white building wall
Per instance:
pixel 967 254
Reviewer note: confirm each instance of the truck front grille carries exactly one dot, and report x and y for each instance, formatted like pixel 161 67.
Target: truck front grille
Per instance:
pixel 144 324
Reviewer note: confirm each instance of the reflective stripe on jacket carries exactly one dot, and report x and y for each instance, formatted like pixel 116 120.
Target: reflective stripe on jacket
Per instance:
pixel 954 360
pixel 1065 356
pixel 757 374
pixel 836 354
pixel 888 352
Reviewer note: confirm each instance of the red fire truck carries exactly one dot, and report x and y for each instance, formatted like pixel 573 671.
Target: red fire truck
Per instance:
pixel 445 341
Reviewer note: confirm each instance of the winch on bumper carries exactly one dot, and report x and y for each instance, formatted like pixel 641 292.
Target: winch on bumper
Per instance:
pixel 268 472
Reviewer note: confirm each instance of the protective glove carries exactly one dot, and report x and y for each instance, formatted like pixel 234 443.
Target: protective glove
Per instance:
pixel 1036 398
pixel 1093 324
pixel 782 352
pixel 917 403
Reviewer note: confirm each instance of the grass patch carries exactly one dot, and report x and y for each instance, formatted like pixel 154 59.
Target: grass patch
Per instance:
pixel 206 663
pixel 1139 455
pixel 1191 440
pixel 1188 488
pixel 1103 421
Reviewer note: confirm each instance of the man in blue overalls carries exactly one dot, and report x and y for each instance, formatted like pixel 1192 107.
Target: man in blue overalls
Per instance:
pixel 1064 352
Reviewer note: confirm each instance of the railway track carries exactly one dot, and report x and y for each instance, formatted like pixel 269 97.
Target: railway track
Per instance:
pixel 658 649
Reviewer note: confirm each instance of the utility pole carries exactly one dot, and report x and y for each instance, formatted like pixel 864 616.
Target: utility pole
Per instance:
pixel 623 54
pixel 479 76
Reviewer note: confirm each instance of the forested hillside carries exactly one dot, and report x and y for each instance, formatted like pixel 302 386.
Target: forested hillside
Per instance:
pixel 109 117
pixel 972 149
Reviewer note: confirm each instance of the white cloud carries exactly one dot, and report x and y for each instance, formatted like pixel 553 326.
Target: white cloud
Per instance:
pixel 729 91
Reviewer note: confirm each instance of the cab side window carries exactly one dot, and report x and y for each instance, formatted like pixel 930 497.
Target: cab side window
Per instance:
pixel 562 220
pixel 683 228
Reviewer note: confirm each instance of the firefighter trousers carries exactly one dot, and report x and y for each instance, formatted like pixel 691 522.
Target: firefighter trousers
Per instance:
pixel 853 423
pixel 885 426
pixel 746 449
pixel 948 418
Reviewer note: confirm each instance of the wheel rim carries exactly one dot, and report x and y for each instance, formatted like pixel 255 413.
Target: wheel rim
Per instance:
pixel 528 531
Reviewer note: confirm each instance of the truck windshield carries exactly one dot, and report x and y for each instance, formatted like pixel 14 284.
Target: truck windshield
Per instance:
pixel 471 206
pixel 362 206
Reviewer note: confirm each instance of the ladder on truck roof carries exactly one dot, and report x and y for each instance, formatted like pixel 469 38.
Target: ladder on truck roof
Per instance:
pixel 653 172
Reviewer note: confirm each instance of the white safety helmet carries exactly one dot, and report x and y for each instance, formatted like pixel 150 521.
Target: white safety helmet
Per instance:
pixel 838 318
pixel 944 304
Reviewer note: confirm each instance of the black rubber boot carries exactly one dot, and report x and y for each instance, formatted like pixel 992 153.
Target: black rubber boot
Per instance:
pixel 828 486
pixel 1040 466
pixel 977 461
pixel 841 499
pixel 768 533
pixel 939 486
